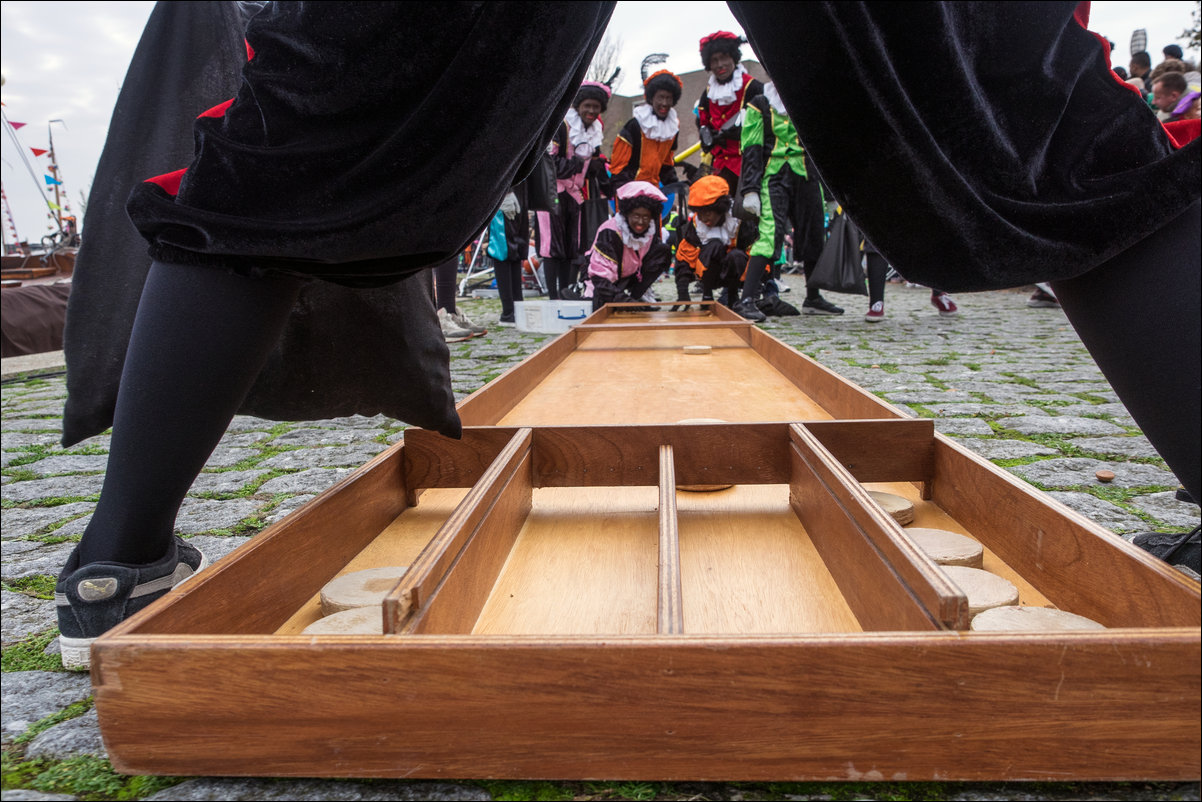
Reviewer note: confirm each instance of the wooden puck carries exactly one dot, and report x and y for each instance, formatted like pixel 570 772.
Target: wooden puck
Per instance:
pixel 948 548
pixel 359 589
pixel 1030 619
pixel 357 621
pixel 900 508
pixel 1105 476
pixel 697 349
pixel 686 421
pixel 983 589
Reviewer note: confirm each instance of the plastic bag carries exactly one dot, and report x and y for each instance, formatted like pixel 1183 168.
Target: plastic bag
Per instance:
pixel 840 267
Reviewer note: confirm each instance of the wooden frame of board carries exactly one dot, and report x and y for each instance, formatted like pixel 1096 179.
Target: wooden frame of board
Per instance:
pixel 570 612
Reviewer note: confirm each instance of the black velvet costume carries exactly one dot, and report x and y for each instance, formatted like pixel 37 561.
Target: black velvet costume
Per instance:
pixel 369 140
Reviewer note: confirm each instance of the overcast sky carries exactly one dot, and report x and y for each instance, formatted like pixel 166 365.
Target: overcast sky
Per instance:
pixel 66 61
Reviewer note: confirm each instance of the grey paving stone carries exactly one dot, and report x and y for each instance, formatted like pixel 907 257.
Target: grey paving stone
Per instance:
pixel 19 522
pixel 312 481
pixel 1072 471
pixel 33 425
pixel 289 506
pixel 928 396
pixel 1129 446
pixel 23 616
pixel 1060 425
pixel 76 526
pixel 42 559
pixel 77 736
pixel 225 481
pixel 981 410
pixel 1084 409
pixel 331 457
pixel 11 440
pixel 29 795
pixel 223 457
pixel 323 437
pixel 243 439
pixel 962 426
pixel 247 423
pixel 217 547
pixel 1165 507
pixel 1101 512
pixel 68 463
pixel 30 696
pixel 80 485
pixel 201 515
pixel 317 790
pixel 998 448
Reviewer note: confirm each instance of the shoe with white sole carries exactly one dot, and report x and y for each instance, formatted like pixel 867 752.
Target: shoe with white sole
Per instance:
pixel 97 597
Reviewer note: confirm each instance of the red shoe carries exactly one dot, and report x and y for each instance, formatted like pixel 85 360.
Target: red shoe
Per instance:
pixel 944 303
pixel 876 312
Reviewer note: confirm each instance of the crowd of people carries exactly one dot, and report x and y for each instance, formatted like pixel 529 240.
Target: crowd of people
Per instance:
pixel 755 190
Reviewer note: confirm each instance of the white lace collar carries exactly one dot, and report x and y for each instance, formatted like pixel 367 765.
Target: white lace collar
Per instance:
pixel 579 135
pixel 727 93
pixel 629 239
pixel 724 231
pixel 773 96
pixel 655 128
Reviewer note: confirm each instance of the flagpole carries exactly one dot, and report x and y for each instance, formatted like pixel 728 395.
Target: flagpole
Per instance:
pixel 58 206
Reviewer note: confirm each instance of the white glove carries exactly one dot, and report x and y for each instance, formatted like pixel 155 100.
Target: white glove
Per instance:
pixel 751 203
pixel 510 206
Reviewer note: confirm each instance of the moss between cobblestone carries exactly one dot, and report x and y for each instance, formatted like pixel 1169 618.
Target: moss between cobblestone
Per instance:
pixel 85 777
pixel 29 654
pixel 40 586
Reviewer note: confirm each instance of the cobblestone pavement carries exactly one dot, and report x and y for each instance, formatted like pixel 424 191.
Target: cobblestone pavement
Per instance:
pixel 1012 383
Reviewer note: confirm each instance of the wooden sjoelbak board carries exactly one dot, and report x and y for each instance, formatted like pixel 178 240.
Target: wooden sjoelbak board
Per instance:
pixel 569 612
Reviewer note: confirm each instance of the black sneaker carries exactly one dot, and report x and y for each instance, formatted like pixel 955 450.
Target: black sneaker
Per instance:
pixel 747 308
pixel 819 306
pixel 1175 548
pixel 95 598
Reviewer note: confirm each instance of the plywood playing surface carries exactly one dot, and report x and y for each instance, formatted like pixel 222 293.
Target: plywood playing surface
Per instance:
pixel 621 377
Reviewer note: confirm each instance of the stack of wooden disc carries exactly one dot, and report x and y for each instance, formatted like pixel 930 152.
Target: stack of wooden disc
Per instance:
pixel 1030 619
pixel 350 604
pixel 948 548
pixel 901 509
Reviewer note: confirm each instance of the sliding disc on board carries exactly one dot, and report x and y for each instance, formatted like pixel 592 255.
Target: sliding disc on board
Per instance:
pixel 359 589
pixel 900 508
pixel 947 548
pixel 983 589
pixel 701 488
pixel 358 621
pixel 1030 619
pixel 698 349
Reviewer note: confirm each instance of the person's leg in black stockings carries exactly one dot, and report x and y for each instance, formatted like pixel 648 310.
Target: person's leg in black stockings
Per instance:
pixel 878 268
pixel 554 271
pixel 1138 316
pixel 509 286
pixel 199 340
pixel 446 277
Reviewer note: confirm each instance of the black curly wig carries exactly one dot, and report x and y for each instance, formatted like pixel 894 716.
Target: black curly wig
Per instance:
pixel 662 80
pixel 722 45
pixel 628 205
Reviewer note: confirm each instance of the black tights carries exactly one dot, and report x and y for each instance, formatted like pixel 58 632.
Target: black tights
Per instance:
pixel 1138 316
pixel 446 276
pixel 200 338
pixel 555 271
pixel 878 269
pixel 509 284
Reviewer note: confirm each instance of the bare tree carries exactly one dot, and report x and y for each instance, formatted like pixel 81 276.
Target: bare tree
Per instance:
pixel 606 59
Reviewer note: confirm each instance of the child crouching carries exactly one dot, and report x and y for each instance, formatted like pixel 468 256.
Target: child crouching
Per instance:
pixel 713 244
pixel 628 255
